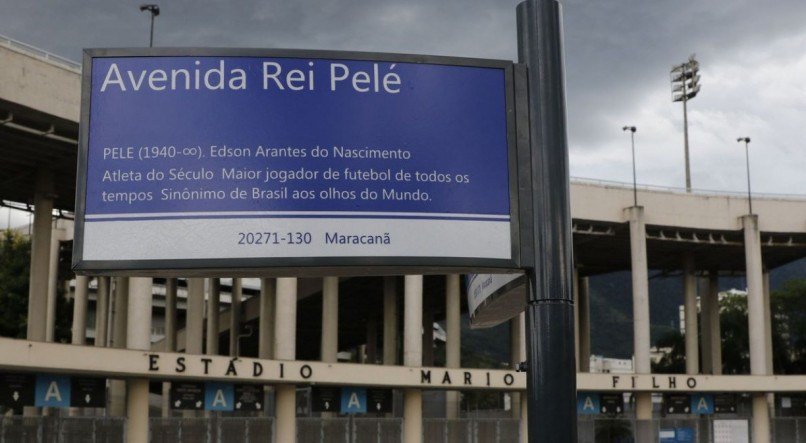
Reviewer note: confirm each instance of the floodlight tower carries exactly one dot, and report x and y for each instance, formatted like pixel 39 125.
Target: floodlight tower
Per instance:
pixel 155 11
pixel 685 86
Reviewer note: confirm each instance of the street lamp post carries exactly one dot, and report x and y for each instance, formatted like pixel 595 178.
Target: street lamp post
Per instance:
pixel 685 86
pixel 632 130
pixel 746 141
pixel 155 11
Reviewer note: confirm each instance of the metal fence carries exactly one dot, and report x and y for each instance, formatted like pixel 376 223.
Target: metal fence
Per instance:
pixel 212 430
pixel 678 190
pixel 61 430
pixel 625 430
pixel 40 53
pixel 789 430
pixel 471 430
pixel 18 429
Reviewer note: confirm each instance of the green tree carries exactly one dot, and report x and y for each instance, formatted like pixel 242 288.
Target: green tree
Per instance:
pixel 735 341
pixel 15 259
pixel 788 307
pixel 675 361
pixel 788 310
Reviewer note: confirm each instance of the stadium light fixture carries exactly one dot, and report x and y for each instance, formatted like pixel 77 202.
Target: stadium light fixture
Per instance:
pixel 685 86
pixel 155 11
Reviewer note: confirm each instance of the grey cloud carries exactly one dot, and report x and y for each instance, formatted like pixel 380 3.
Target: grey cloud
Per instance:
pixel 618 52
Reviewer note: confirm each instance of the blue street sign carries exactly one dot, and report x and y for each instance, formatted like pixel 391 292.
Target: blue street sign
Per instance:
pixel 676 435
pixel 277 157
pixel 52 391
pixel 702 404
pixel 588 403
pixel 219 397
pixel 353 400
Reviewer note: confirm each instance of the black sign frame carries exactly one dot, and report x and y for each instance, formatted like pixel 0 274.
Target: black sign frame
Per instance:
pixel 311 266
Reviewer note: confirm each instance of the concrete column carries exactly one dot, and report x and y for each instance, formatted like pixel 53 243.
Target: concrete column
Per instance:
pixel 120 315
pixel 53 281
pixel 584 355
pixel 285 348
pixel 79 333
pixel 690 298
pixel 235 317
pixel 413 356
pixel 453 338
pixel 768 337
pixel 706 327
pixel 330 319
pixel 138 337
pixel 428 336
pixel 170 314
pixel 194 324
pixel 265 344
pixel 170 338
pixel 372 341
pixel 102 311
pixel 716 331
pixel 390 331
pixel 389 321
pixel 640 308
pixel 120 307
pixel 40 257
pixel 756 324
pixel 515 358
pixel 266 319
pixel 768 322
pixel 213 309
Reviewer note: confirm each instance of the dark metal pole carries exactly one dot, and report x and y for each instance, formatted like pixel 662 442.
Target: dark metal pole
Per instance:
pixel 551 377
pixel 685 134
pixel 154 10
pixel 634 180
pixel 746 141
pixel 632 130
pixel 151 38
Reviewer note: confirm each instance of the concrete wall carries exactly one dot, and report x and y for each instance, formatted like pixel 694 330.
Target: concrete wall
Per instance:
pixel 602 202
pixel 33 81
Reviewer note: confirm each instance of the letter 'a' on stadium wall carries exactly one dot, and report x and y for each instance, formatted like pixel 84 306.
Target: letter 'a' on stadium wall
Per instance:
pixel 276 162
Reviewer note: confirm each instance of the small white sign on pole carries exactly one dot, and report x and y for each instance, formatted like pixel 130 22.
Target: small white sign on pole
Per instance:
pixel 495 298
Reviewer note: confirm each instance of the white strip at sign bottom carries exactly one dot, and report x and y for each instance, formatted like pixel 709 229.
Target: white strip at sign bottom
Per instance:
pixel 176 239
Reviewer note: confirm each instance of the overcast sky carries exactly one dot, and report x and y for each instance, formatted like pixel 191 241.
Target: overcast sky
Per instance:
pixel 618 55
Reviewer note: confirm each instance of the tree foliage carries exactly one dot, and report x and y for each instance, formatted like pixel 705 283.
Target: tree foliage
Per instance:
pixel 788 310
pixel 675 361
pixel 15 259
pixel 788 307
pixel 15 252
